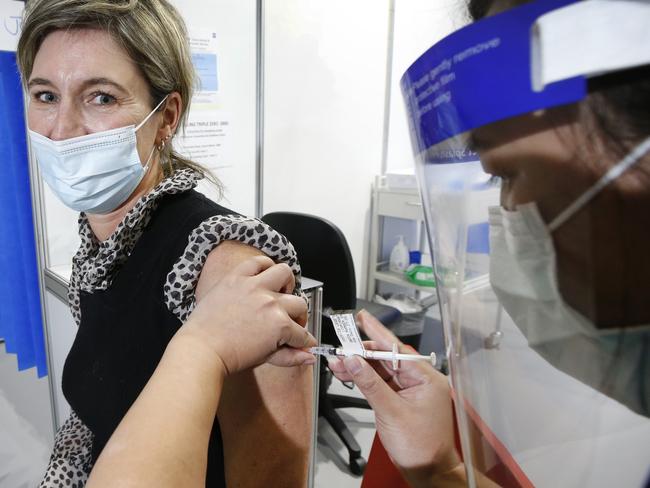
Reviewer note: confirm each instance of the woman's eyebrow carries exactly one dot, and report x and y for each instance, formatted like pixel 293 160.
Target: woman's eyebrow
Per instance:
pixel 39 81
pixel 85 84
pixel 103 81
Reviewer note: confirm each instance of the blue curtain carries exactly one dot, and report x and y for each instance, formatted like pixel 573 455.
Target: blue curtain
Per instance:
pixel 20 307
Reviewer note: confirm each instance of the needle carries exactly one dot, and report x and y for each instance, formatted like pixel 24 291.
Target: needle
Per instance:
pixel 393 355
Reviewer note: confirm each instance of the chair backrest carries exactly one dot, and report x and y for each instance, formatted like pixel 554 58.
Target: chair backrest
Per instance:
pixel 323 253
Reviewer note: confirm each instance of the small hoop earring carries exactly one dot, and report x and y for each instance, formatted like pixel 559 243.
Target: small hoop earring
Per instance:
pixel 161 146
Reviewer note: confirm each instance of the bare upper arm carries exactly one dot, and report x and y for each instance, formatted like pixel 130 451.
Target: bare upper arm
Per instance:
pixel 264 414
pixel 265 420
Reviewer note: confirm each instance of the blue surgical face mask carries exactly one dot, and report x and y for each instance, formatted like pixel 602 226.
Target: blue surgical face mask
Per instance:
pixel 523 274
pixel 94 173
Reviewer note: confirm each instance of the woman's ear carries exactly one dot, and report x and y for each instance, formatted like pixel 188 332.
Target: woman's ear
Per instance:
pixel 171 114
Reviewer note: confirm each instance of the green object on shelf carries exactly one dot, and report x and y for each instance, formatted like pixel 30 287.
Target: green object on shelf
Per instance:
pixel 420 275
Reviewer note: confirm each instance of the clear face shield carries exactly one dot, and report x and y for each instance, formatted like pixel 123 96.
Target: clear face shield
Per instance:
pixel 548 392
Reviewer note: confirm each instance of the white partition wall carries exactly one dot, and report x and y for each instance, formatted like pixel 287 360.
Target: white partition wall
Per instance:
pixel 333 112
pixel 26 424
pixel 224 107
pixel 62 333
pixel 324 89
pixel 418 25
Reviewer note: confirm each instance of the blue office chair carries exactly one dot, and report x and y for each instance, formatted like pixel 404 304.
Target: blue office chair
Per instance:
pixel 324 255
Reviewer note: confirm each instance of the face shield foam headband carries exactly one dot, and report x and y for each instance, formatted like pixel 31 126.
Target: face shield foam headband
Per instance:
pixel 529 58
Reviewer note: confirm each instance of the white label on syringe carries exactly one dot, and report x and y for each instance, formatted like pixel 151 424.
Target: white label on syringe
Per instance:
pixel 347 332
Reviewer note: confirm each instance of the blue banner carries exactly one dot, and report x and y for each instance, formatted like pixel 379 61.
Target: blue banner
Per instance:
pixel 478 75
pixel 20 303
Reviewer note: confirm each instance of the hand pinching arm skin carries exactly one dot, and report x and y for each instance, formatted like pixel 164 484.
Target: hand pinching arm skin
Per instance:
pixel 163 439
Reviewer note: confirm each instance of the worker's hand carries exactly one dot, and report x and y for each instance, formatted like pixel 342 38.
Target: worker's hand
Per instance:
pixel 412 405
pixel 249 317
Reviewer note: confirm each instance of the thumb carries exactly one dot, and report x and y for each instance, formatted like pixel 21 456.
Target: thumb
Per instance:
pixel 380 396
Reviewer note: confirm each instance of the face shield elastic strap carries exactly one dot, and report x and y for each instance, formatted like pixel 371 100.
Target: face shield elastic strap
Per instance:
pixel 614 172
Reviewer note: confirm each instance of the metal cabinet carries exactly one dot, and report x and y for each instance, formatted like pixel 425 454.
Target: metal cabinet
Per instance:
pixel 403 203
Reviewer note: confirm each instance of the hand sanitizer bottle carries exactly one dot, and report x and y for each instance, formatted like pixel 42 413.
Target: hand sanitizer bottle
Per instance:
pixel 399 257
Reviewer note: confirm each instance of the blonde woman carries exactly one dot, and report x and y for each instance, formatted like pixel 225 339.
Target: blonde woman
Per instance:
pixel 109 84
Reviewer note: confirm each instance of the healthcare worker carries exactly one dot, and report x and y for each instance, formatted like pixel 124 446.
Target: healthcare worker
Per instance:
pixel 540 249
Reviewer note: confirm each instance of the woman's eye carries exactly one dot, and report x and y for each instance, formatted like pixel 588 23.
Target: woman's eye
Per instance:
pixel 103 99
pixel 45 97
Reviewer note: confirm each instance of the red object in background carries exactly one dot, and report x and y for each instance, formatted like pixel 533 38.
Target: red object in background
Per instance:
pixel 503 469
pixel 380 471
pixel 495 460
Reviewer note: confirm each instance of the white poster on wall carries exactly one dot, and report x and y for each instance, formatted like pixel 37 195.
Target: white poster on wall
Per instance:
pixel 221 129
pixel 205 140
pixel 11 14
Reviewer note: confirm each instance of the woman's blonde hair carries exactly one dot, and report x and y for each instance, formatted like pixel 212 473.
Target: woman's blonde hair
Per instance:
pixel 152 32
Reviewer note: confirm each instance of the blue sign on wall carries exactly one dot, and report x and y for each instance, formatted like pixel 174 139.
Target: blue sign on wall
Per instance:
pixel 20 303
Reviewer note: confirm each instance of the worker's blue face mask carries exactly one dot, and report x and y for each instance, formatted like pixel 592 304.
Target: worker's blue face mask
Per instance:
pixel 523 275
pixel 94 173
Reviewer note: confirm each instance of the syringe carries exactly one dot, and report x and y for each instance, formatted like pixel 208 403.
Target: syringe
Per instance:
pixel 393 355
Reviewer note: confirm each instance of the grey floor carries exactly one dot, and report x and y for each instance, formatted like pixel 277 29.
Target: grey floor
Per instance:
pixel 331 455
pixel 26 430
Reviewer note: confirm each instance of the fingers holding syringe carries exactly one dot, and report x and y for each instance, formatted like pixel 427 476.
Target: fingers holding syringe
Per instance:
pixel 409 373
pixel 337 366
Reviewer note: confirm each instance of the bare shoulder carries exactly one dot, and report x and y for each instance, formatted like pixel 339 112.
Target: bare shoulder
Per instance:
pixel 220 261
